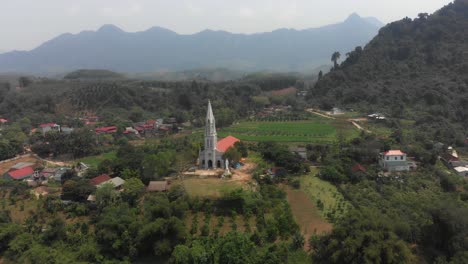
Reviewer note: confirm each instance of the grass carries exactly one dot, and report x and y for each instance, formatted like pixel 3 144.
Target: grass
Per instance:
pixel 210 187
pixel 94 161
pixel 319 191
pixel 318 130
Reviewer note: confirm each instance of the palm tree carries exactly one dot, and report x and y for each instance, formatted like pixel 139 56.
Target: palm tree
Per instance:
pixel 335 57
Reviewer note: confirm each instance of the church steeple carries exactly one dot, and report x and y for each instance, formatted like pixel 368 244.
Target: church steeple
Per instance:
pixel 211 138
pixel 210 129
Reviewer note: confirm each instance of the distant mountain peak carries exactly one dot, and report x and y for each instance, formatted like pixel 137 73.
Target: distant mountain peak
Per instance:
pixel 110 28
pixel 160 30
pixel 354 16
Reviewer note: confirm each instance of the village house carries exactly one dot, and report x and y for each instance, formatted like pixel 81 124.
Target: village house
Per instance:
pixel 44 128
pixel 158 186
pixel 212 156
pixel 462 171
pixel 394 161
pixel 103 179
pixel 117 182
pixel 90 120
pixel 377 116
pixel 106 130
pixel 19 174
pixel 99 179
pixel 66 130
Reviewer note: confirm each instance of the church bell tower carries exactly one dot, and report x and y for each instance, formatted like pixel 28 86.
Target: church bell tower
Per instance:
pixel 211 139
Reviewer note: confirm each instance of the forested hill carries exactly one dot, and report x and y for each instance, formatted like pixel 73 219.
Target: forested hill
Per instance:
pixel 416 68
pixel 159 49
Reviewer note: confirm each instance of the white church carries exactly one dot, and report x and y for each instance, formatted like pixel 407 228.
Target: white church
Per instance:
pixel 212 155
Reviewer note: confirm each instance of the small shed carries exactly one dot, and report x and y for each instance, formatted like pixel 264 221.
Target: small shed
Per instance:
pixel 158 186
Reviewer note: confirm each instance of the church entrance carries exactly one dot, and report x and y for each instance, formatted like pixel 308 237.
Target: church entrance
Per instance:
pixel 210 164
pixel 218 164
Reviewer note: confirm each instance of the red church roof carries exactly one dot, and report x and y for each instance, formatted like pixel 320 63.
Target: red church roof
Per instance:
pixel 100 179
pixel 225 143
pixel 21 173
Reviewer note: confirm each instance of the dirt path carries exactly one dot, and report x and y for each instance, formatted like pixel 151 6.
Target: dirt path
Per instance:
pixel 307 215
pixel 244 174
pixel 360 127
pixel 313 111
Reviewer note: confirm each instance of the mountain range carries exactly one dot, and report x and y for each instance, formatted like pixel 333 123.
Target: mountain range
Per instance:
pixel 160 49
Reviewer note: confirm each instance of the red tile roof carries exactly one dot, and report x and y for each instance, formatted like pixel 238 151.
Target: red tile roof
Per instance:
pixel 2 120
pixel 109 129
pixel 226 143
pixel 100 179
pixel 21 173
pixel 394 153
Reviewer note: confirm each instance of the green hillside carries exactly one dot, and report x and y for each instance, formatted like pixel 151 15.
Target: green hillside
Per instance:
pixel 414 69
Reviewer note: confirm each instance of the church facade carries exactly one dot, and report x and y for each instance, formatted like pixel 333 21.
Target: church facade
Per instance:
pixel 211 157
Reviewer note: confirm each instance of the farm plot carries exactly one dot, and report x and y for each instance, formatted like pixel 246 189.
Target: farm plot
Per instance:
pixel 314 131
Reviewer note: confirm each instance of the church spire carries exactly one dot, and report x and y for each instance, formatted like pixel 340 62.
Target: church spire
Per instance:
pixel 209 113
pixel 210 121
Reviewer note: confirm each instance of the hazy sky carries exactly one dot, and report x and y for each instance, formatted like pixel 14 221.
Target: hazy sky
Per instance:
pixel 25 24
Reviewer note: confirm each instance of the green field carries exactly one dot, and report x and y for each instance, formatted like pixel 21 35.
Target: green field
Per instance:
pixel 334 204
pixel 317 130
pixel 94 161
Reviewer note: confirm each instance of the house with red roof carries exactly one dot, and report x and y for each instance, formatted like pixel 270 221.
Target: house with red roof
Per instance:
pixel 20 174
pixel 106 130
pixel 3 121
pixel 47 127
pixel 212 156
pixel 393 161
pixel 100 179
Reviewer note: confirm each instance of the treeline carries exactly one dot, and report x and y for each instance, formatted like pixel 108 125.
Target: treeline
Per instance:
pixel 44 100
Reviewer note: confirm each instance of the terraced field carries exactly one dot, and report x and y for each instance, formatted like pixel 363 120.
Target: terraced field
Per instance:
pixel 317 130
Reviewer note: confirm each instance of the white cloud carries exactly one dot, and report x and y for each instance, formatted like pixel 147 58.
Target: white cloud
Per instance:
pixel 124 9
pixel 246 12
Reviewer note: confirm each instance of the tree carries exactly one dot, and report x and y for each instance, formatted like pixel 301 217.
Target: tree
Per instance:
pixel 181 254
pixel 335 57
pixel 362 237
pixel 233 155
pixel 106 195
pixel 320 75
pixel 297 241
pixel 133 189
pixel 77 189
